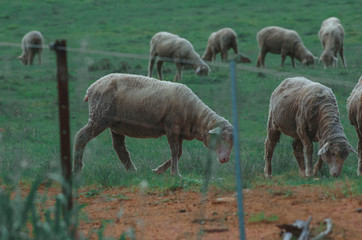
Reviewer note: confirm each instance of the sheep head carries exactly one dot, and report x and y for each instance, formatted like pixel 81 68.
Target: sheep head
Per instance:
pixel 334 154
pixel 202 70
pixel 309 59
pixel 328 59
pixel 23 59
pixel 220 139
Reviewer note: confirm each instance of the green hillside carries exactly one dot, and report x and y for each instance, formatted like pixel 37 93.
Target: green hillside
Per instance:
pixel 113 36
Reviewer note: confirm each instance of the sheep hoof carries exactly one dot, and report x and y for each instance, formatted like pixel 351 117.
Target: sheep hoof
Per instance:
pixel 268 175
pixel 302 174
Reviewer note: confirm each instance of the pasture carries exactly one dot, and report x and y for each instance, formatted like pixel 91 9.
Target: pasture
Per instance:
pixel 114 36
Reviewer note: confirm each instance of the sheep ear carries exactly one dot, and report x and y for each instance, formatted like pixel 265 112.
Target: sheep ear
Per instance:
pixel 315 58
pixel 323 149
pixel 198 70
pixel 215 131
pixel 335 59
pixel 20 57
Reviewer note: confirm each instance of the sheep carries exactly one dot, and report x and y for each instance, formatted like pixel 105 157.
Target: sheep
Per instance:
pixel 354 107
pixel 331 36
pixel 220 42
pixel 308 112
pixel 143 107
pixel 31 44
pixel 282 41
pixel 172 48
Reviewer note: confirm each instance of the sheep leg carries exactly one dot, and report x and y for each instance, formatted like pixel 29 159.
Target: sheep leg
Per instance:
pixel 159 69
pixel 83 136
pixel 270 143
pixel 261 58
pixel 318 166
pixel 31 57
pixel 213 55
pixel 178 75
pixel 342 56
pixel 235 47
pixel 175 143
pixel 283 59
pixel 359 149
pixel 119 146
pixel 39 56
pixel 150 65
pixel 298 153
pixel 293 62
pixel 163 167
pixel 224 56
pixel 308 149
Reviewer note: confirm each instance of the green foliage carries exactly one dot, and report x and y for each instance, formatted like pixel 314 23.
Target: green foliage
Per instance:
pixel 261 217
pixel 29 134
pixel 22 218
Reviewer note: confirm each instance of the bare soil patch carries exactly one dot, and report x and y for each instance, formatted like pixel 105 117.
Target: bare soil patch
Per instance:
pixel 183 214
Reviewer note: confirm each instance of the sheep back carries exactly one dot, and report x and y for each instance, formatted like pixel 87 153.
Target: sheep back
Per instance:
pixel 31 44
pixel 172 46
pixel 331 35
pixel 354 107
pixel 299 101
pixel 220 41
pixel 276 39
pixel 139 106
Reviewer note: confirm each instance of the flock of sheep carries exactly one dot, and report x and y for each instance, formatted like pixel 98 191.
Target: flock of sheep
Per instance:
pixel 144 107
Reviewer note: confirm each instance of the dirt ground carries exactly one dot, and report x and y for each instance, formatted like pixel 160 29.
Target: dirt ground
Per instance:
pixel 183 214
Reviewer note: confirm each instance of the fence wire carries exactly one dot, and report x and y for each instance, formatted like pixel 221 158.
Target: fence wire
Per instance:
pixel 276 73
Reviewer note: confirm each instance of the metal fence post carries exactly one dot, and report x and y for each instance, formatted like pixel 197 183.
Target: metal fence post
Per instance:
pixel 63 103
pixel 239 185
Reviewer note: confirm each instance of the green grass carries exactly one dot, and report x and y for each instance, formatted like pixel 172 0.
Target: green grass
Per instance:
pixel 29 143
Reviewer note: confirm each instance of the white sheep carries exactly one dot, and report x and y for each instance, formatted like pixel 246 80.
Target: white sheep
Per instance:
pixel 31 44
pixel 282 41
pixel 143 107
pixel 308 112
pixel 354 107
pixel 172 48
pixel 220 42
pixel 331 36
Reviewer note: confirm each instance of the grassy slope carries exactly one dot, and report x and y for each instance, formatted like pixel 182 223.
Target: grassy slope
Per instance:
pixel 28 110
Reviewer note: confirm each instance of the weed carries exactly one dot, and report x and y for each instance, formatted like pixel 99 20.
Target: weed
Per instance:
pixel 261 217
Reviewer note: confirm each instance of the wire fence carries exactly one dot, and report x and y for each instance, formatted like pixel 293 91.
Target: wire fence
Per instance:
pixel 276 73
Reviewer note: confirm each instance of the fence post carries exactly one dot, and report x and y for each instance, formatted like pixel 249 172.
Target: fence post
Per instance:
pixel 63 104
pixel 239 185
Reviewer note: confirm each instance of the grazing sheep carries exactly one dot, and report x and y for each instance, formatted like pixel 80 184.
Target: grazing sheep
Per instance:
pixel 220 42
pixel 282 41
pixel 354 107
pixel 31 44
pixel 171 48
pixel 308 112
pixel 143 107
pixel 331 36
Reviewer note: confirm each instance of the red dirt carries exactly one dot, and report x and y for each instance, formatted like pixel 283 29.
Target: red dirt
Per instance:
pixel 182 214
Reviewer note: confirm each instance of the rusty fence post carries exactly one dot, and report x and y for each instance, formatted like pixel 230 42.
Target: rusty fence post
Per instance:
pixel 63 103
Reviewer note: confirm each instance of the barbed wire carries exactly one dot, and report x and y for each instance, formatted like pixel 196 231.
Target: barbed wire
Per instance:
pixel 277 73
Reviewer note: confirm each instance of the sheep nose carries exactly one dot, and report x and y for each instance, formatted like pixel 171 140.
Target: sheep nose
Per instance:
pixel 224 160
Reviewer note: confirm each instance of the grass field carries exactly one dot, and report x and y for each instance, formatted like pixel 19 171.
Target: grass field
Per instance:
pixel 29 140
